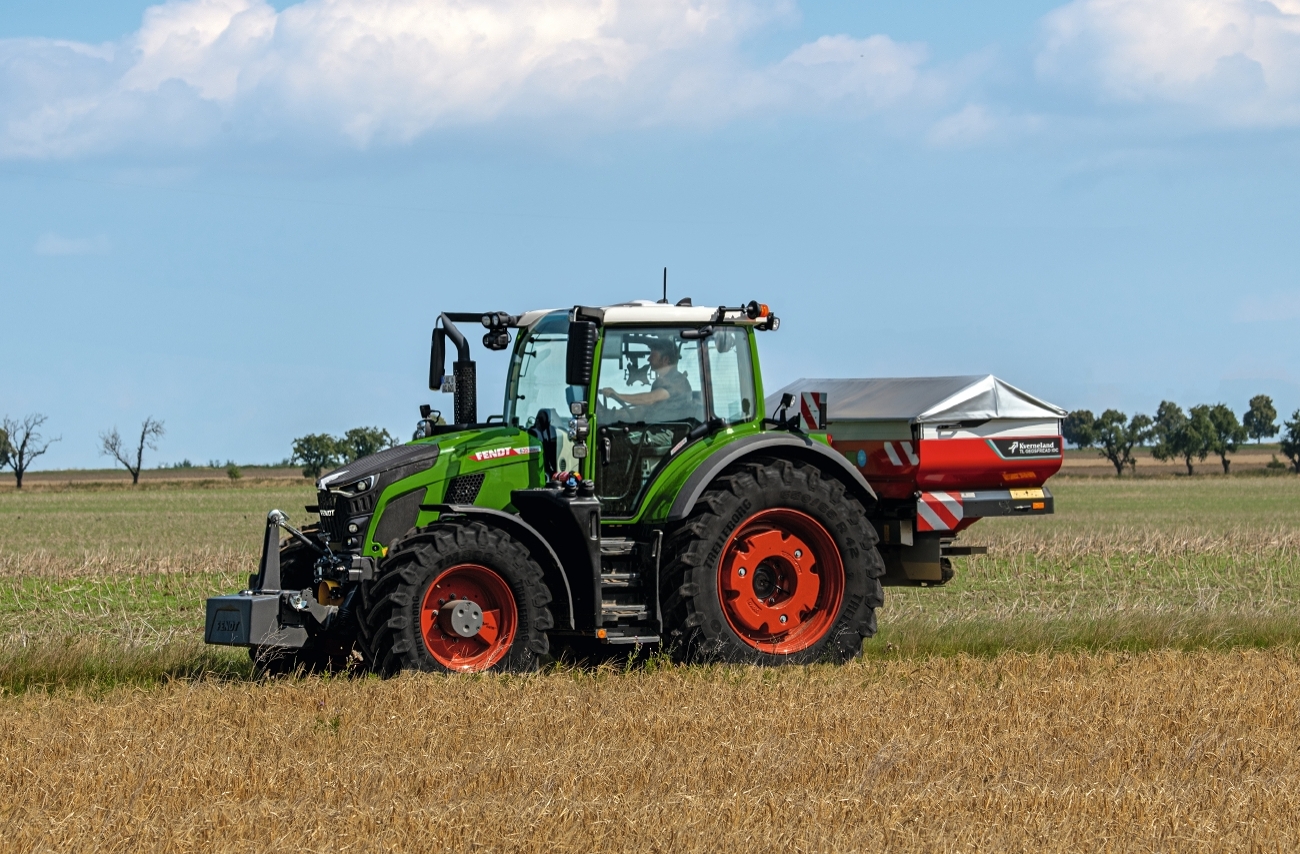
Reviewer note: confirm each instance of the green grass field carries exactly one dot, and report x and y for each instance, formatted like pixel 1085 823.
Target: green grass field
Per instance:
pixel 102 585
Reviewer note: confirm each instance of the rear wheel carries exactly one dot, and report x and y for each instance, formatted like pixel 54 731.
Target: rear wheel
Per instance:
pixel 461 597
pixel 777 565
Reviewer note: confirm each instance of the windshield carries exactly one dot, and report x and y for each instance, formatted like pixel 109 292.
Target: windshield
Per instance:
pixel 651 376
pixel 537 374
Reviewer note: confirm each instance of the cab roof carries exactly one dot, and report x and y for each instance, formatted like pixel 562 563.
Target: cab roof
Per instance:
pixel 638 312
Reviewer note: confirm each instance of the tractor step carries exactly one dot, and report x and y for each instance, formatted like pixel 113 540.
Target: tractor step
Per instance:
pixel 615 546
pixel 613 637
pixel 623 610
pixel 620 579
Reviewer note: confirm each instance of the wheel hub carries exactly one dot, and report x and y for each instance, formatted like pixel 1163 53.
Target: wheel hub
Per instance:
pixel 764 579
pixel 462 617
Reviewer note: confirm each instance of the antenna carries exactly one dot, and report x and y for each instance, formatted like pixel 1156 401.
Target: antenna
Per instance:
pixel 665 299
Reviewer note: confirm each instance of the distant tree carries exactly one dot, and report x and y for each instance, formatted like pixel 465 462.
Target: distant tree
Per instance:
pixel 1260 419
pixel 1226 433
pixel 1179 436
pixel 111 445
pixel 5 448
pixel 1116 436
pixel 1077 428
pixel 314 452
pixel 1291 441
pixel 24 443
pixel 363 441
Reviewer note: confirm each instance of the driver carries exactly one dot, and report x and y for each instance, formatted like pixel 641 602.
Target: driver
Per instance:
pixel 669 398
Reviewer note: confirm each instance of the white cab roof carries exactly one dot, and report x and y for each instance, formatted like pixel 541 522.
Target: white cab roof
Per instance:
pixel 922 400
pixel 647 312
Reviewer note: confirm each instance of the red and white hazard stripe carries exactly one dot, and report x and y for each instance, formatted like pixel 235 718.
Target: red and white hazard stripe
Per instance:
pixel 900 451
pixel 812 410
pixel 938 511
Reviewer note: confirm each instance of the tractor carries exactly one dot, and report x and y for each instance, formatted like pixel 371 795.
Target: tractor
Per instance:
pixel 635 489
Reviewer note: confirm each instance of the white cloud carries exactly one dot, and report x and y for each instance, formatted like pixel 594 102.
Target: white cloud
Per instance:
pixel 1235 62
pixel 388 71
pixel 55 244
pixel 968 125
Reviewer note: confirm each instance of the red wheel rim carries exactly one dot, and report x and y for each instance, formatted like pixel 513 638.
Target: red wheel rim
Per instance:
pixel 781 563
pixel 500 618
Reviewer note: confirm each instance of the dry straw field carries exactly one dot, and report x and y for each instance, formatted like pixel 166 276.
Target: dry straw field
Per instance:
pixel 1124 676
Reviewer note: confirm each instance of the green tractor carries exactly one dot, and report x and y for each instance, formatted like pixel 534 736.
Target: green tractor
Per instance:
pixel 632 491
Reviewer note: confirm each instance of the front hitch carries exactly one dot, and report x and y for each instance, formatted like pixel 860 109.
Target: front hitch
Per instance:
pixel 265 614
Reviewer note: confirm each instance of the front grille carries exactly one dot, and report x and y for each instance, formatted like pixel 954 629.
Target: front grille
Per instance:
pixel 332 523
pixel 464 489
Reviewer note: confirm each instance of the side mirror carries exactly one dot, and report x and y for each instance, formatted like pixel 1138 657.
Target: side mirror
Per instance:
pixel 581 354
pixel 437 361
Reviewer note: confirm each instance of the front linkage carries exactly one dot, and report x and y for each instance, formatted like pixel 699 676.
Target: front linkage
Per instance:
pixel 277 613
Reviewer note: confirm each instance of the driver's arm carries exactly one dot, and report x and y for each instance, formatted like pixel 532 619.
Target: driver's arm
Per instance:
pixel 637 398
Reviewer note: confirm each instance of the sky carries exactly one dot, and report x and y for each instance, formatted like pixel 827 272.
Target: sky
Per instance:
pixel 242 218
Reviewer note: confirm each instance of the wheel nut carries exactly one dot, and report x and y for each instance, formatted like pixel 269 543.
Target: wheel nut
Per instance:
pixel 784 617
pixel 798 552
pixel 741 572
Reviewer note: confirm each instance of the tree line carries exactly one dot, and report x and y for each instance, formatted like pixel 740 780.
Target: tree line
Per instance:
pixel 317 451
pixel 1177 435
pixel 23 440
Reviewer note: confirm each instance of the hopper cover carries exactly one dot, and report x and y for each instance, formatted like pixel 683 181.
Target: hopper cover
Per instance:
pixel 922 400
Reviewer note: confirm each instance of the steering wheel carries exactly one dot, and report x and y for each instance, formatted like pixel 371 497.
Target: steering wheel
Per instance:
pixel 609 400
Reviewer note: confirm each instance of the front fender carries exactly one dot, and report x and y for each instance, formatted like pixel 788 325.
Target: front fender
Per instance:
pixel 552 569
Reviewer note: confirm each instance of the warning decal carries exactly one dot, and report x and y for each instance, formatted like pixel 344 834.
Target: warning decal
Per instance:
pixel 812 410
pixel 939 511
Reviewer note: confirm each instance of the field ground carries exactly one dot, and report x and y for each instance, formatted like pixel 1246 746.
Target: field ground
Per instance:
pixel 1122 675
pixel 195 475
pixel 1157 751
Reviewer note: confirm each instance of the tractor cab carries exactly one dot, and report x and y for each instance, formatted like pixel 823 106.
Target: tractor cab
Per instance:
pixel 654 385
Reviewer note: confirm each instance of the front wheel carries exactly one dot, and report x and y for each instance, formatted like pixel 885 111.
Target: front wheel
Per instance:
pixel 460 597
pixel 777 565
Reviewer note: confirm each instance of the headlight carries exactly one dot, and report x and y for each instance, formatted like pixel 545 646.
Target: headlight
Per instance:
pixel 356 487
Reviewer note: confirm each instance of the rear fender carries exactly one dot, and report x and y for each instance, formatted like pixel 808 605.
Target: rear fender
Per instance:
pixel 552 570
pixel 789 446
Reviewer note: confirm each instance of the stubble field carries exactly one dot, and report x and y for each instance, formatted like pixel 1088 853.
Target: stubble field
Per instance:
pixel 1121 676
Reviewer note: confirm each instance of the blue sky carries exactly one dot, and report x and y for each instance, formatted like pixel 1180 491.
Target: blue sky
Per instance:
pixel 243 218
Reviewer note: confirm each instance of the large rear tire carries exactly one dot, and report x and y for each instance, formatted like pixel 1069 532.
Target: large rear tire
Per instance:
pixel 777 565
pixel 407 623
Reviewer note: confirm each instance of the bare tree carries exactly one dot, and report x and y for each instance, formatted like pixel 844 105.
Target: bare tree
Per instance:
pixel 24 444
pixel 111 446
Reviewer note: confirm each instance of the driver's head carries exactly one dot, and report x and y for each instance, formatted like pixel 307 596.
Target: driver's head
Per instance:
pixel 663 353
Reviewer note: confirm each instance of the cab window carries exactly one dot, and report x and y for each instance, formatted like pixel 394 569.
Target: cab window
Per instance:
pixel 654 387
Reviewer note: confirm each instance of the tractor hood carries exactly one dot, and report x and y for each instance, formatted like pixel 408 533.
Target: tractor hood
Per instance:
pixel 394 464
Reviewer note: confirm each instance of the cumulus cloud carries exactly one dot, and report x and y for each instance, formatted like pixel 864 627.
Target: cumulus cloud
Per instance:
pixel 388 71
pixel 1236 62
